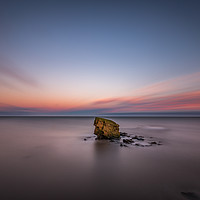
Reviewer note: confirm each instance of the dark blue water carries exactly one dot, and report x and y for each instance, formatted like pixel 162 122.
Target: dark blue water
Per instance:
pixel 47 158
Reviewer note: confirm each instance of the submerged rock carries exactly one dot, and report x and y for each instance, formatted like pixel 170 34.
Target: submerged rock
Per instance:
pixel 124 134
pixel 106 129
pixel 128 141
pixel 153 142
pixel 190 195
pixel 138 137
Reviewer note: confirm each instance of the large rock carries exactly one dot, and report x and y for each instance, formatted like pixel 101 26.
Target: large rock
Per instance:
pixel 106 129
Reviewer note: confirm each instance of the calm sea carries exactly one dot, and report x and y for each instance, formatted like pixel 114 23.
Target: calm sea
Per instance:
pixel 47 158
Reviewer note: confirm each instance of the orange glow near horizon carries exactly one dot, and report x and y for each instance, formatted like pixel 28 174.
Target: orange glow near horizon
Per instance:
pixel 156 97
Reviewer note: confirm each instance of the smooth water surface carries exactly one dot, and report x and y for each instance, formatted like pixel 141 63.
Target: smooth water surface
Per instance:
pixel 47 158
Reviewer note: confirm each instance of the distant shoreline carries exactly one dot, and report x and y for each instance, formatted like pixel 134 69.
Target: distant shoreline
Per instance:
pixel 106 116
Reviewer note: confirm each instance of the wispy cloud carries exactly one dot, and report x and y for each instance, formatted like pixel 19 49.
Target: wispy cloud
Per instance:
pixel 181 93
pixel 182 101
pixel 7 84
pixel 177 94
pixel 10 74
pixel 6 109
pixel 179 84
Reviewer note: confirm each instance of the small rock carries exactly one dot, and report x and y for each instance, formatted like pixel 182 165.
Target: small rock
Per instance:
pixel 190 195
pixel 143 144
pixel 123 145
pixel 128 141
pixel 134 137
pixel 123 134
pixel 153 142
pixel 138 137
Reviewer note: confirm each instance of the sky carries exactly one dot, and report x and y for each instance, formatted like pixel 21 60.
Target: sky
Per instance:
pixel 95 57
